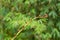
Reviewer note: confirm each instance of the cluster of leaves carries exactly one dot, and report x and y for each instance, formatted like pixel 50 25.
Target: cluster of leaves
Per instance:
pixel 40 19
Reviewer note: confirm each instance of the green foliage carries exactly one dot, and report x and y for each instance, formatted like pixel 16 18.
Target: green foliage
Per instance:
pixel 38 19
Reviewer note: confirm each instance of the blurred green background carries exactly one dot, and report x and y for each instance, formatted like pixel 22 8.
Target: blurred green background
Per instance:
pixel 29 19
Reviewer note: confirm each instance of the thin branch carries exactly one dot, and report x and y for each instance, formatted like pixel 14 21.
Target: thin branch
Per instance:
pixel 25 26
pixel 17 34
pixel 19 31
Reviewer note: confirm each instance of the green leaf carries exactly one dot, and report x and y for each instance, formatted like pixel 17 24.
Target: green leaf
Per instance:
pixel 53 14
